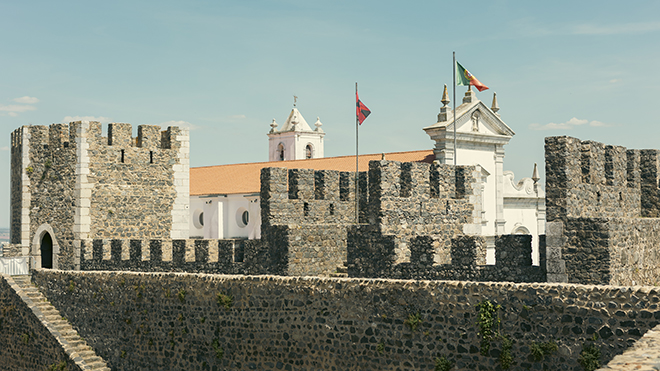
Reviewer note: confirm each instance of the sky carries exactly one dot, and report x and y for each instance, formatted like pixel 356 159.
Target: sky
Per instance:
pixel 225 69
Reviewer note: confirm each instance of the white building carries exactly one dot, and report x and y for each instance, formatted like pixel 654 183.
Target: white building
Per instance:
pixel 224 200
pixel 507 206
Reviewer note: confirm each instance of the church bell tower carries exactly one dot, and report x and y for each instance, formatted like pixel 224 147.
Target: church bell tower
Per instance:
pixel 296 140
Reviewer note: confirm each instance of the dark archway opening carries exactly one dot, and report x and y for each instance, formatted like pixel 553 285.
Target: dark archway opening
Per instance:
pixel 46 251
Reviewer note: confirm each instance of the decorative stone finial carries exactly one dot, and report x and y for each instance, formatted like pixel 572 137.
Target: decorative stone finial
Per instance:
pixel 318 125
pixel 494 107
pixel 382 156
pixel 444 110
pixel 273 125
pixel 470 96
pixel 295 99
pixel 445 97
pixel 535 174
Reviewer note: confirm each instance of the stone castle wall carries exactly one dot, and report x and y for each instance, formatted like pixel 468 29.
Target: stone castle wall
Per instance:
pixel 25 343
pixel 70 181
pixel 602 206
pixel 196 321
pixel 229 256
pixel 306 214
pixel 133 179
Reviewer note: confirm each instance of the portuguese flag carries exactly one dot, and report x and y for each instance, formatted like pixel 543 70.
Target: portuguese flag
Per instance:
pixel 361 110
pixel 465 78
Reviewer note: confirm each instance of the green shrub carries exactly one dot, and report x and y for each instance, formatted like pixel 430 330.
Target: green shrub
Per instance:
pixel 225 300
pixel 443 364
pixel 413 321
pixel 589 357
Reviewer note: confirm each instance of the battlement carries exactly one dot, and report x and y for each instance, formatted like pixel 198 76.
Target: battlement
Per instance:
pixel 227 256
pixel 149 137
pixel 328 196
pixel 373 255
pixel 591 179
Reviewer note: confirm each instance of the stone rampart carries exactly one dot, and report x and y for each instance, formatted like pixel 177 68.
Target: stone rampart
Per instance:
pixel 372 255
pixel 306 214
pixel 195 321
pixel 25 344
pixel 227 256
pixel 602 206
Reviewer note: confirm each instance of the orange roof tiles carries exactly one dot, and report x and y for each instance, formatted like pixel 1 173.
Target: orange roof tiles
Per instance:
pixel 245 178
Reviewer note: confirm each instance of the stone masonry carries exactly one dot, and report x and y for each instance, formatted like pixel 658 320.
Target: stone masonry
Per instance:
pixel 74 184
pixel 602 207
pixel 156 321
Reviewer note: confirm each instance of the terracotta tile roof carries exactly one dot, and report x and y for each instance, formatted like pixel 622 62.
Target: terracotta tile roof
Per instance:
pixel 245 178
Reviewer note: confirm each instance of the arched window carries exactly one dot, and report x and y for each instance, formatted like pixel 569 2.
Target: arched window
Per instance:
pixel 309 151
pixel 280 152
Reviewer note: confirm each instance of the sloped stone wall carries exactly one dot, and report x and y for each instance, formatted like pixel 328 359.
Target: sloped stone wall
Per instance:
pixel 25 344
pixel 176 321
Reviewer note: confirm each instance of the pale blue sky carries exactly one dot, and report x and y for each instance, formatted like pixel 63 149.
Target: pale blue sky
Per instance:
pixel 583 68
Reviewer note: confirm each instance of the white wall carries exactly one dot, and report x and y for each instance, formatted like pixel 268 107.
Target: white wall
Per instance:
pixel 223 216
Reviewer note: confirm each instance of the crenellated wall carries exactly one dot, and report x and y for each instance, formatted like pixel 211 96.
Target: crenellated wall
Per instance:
pixel 307 214
pixel 229 256
pixel 602 206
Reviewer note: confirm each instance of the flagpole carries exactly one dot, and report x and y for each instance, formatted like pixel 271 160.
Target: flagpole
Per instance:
pixel 357 190
pixel 454 111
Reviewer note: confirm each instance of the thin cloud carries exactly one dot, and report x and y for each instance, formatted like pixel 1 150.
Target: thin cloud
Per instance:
pixel 614 81
pixel 616 29
pixel 237 117
pixel 5 148
pixel 26 100
pixel 180 123
pixel 17 108
pixel 14 109
pixel 568 125
pixel 86 118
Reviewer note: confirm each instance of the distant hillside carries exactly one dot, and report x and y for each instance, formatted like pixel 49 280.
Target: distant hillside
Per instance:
pixel 4 234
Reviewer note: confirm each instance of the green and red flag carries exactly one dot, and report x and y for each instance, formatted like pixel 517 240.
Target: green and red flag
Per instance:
pixel 465 78
pixel 361 111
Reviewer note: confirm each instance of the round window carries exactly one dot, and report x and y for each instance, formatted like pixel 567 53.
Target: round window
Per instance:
pixel 242 217
pixel 198 219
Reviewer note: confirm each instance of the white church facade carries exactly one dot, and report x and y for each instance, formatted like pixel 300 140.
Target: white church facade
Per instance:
pixel 224 199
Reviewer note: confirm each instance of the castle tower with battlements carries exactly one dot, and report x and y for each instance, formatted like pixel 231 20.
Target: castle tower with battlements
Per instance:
pixel 69 182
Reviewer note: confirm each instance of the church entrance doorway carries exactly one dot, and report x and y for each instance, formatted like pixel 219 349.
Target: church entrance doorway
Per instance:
pixel 46 251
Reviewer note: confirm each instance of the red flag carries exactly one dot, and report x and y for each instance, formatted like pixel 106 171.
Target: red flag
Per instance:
pixel 361 111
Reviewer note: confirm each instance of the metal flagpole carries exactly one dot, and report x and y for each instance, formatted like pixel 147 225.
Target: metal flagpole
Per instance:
pixel 454 111
pixel 357 202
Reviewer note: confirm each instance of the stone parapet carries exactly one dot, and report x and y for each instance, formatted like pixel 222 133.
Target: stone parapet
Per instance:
pixel 227 256
pixel 372 254
pixel 191 321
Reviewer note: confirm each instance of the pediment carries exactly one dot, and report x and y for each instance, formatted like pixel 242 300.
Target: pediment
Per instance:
pixel 475 119
pixel 479 119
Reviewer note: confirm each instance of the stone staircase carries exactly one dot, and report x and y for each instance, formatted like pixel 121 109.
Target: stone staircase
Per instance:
pixel 77 349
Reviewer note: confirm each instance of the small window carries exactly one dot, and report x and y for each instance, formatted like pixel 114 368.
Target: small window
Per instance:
pixel 122 156
pixel 309 151
pixel 151 157
pixel 280 152
pixel 242 217
pixel 198 219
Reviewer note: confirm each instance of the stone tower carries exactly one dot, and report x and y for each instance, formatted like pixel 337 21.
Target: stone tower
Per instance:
pixel 68 183
pixel 296 140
